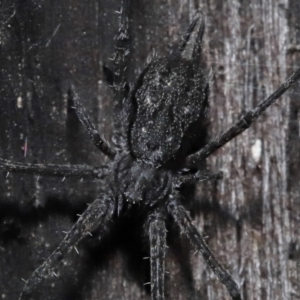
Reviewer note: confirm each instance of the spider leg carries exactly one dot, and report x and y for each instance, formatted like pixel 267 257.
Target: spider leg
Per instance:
pixel 184 221
pixel 97 214
pixel 80 171
pixel 93 133
pixel 198 176
pixel 157 234
pixel 190 47
pixel 243 124
pixel 121 52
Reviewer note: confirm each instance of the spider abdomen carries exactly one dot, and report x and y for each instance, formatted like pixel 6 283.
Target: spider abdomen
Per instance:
pixel 172 97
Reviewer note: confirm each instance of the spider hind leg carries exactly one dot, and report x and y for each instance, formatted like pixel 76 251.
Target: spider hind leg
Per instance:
pixel 91 129
pixel 120 59
pixel 242 124
pixel 190 47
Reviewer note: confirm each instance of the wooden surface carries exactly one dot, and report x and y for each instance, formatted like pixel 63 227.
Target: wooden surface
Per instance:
pixel 251 217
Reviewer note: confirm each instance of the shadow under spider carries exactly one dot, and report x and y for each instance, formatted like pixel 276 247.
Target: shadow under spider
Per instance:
pixel 125 237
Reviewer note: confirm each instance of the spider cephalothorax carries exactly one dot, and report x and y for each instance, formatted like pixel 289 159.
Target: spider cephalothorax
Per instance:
pixel 134 181
pixel 159 144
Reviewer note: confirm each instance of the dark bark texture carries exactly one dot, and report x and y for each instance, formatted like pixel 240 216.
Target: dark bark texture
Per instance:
pixel 251 217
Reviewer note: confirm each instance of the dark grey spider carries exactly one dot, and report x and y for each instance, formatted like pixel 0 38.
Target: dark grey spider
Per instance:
pixel 158 125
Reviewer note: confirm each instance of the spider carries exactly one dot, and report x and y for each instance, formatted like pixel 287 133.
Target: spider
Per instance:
pixel 158 124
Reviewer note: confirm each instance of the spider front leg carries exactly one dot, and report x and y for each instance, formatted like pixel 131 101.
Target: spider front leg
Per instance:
pixel 99 213
pixel 157 235
pixel 184 221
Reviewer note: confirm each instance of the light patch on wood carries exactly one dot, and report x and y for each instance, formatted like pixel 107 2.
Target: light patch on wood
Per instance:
pixel 19 102
pixel 256 150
